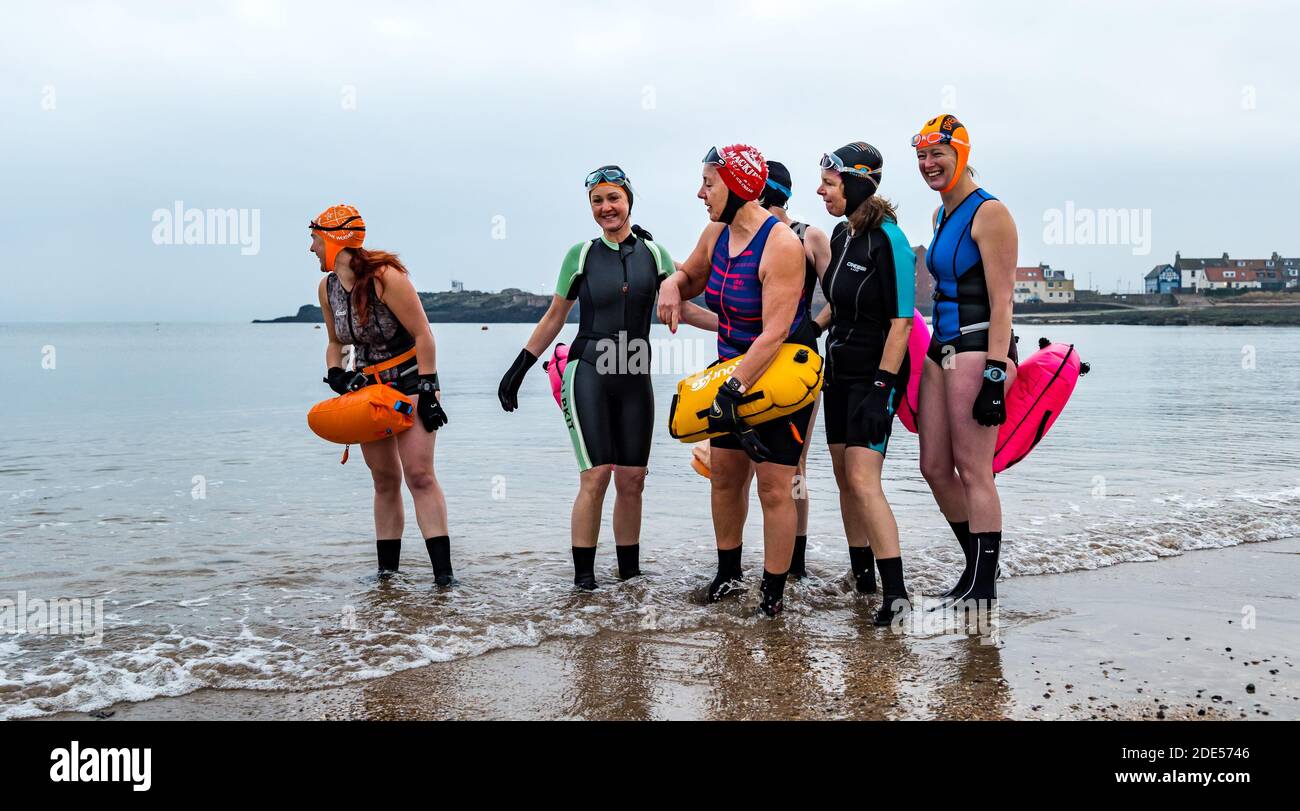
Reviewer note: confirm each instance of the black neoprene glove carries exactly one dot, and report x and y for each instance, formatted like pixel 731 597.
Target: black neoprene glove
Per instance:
pixel 508 391
pixel 991 403
pixel 344 381
pixel 876 411
pixel 724 415
pixel 428 407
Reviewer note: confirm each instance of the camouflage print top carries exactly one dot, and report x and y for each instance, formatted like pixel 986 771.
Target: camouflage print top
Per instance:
pixel 382 337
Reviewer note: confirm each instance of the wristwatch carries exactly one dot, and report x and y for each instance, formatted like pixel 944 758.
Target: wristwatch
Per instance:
pixel 734 384
pixel 428 384
pixel 994 375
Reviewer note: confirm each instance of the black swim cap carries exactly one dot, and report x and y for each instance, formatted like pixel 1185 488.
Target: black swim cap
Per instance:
pixel 613 174
pixel 777 190
pixel 860 166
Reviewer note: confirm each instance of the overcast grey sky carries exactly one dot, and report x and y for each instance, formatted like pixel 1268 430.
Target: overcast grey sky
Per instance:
pixel 448 122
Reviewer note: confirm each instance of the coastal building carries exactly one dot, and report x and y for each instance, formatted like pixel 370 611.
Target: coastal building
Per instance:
pixel 1229 278
pixel 1163 279
pixel 1042 285
pixel 1194 275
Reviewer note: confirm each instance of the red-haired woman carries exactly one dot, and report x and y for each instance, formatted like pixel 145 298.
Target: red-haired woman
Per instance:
pixel 369 302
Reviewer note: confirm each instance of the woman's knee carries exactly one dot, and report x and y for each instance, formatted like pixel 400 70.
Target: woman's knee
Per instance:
pixel 936 468
pixel 863 484
pixel 595 482
pixel 418 481
pixel 975 473
pixel 387 480
pixel 629 481
pixel 775 490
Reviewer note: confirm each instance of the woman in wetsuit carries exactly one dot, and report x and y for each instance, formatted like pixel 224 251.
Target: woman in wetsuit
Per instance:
pixel 607 397
pixel 817 256
pixel 869 287
pixel 370 303
pixel 750 267
pixel 970 363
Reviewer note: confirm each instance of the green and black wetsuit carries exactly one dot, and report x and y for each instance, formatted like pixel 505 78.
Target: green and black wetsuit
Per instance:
pixel 607 398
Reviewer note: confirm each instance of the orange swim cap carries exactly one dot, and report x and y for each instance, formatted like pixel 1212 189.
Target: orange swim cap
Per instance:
pixel 342 227
pixel 946 129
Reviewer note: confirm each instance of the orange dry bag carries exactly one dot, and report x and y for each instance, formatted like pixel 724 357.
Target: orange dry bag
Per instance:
pixel 364 415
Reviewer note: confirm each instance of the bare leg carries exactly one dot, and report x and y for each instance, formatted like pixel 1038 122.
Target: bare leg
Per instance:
pixel 585 526
pixel 416 449
pixel 776 495
pixel 386 472
pixel 862 468
pixel 973 444
pixel 937 465
pixel 731 470
pixel 629 483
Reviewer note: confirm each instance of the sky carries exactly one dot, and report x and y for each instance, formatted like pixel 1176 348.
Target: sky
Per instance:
pixel 463 131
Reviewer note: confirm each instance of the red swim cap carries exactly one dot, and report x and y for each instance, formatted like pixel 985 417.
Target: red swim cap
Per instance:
pixel 741 167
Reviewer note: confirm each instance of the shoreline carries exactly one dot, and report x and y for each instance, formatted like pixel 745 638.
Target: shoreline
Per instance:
pixel 1161 639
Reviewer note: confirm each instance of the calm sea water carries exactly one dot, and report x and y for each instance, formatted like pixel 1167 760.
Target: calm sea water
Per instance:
pixel 168 470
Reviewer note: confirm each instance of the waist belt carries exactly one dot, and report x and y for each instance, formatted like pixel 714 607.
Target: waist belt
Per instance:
pixel 384 366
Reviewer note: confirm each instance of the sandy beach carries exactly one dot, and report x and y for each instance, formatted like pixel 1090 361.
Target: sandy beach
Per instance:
pixel 1206 635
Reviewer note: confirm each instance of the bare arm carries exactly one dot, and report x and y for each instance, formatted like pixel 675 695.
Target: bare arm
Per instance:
pixel 689 279
pixel 900 329
pixel 781 274
pixel 397 292
pixel 334 349
pixel 817 246
pixel 550 325
pixel 699 317
pixel 995 233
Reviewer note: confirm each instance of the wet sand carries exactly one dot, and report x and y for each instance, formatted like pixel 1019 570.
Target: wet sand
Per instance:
pixel 1211 634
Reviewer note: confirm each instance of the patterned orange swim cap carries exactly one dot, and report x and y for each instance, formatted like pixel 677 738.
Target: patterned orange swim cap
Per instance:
pixel 946 129
pixel 341 227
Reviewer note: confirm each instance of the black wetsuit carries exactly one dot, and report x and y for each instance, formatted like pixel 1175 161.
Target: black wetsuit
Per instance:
pixel 870 281
pixel 607 398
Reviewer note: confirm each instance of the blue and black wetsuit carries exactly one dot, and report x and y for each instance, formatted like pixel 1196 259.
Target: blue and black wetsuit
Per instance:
pixel 961 293
pixel 870 281
pixel 735 293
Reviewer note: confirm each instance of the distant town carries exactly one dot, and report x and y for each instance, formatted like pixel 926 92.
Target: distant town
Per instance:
pixel 1212 291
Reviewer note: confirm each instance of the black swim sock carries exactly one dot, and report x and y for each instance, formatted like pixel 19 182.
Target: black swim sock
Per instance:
pixel 861 559
pixel 440 556
pixel 797 569
pixel 389 551
pixel 728 570
pixel 629 560
pixel 986 547
pixel 773 593
pixel 891 577
pixel 961 529
pixel 584 567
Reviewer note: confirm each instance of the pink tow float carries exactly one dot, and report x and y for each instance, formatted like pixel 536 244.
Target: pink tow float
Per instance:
pixel 1044 382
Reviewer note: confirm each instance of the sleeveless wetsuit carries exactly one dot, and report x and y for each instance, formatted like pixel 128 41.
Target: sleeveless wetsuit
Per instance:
pixel 383 336
pixel 809 269
pixel 870 281
pixel 607 398
pixel 961 293
pixel 735 293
